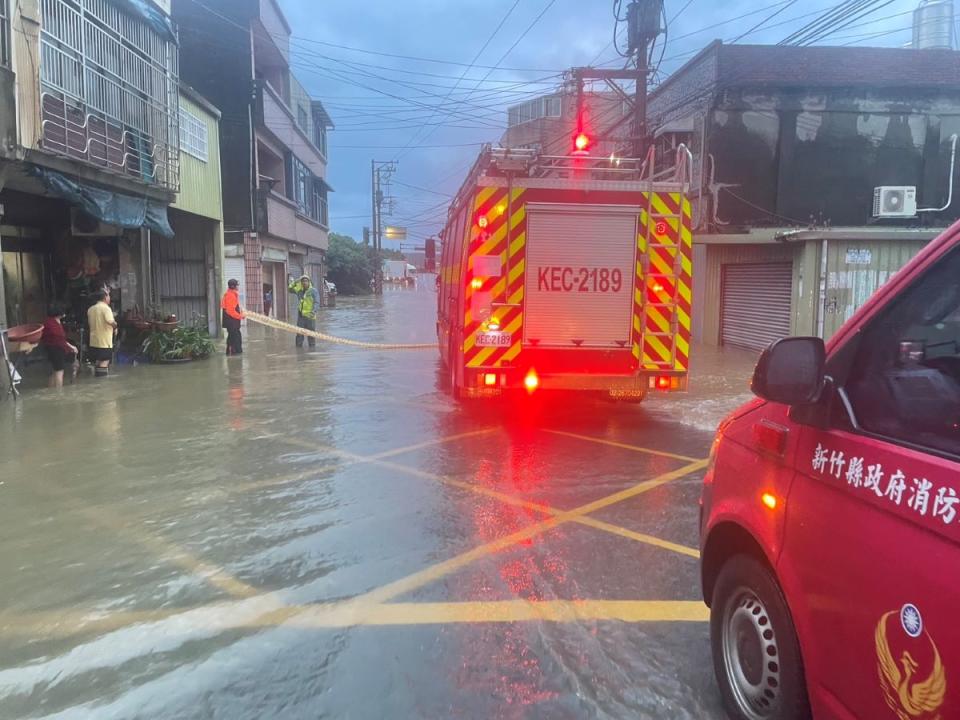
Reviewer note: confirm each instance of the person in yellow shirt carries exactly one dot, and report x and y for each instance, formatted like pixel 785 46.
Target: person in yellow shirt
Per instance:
pixel 102 326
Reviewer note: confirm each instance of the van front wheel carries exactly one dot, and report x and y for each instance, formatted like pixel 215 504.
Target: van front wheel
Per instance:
pixel 756 655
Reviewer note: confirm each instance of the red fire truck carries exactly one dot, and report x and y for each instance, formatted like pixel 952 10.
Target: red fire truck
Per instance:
pixel 567 273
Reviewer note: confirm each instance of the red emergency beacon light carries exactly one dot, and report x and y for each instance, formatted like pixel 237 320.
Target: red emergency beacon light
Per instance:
pixel 581 143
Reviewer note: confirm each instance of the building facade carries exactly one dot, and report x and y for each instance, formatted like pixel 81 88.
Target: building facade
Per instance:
pixel 549 123
pixel 274 145
pixel 187 270
pixel 89 151
pixel 790 146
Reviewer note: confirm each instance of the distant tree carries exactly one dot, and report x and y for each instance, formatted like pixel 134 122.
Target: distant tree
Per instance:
pixel 389 254
pixel 350 265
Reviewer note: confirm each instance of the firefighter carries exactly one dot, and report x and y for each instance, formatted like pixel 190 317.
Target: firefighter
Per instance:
pixel 232 315
pixel 308 309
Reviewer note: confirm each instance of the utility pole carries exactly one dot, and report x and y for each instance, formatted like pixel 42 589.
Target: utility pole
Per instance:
pixel 380 174
pixel 644 24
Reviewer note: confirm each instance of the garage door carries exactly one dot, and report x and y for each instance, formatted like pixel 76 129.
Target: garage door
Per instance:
pixel 756 304
pixel 235 269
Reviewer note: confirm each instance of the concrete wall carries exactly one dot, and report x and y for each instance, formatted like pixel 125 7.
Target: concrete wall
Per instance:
pixel 281 121
pixel 284 221
pixel 25 25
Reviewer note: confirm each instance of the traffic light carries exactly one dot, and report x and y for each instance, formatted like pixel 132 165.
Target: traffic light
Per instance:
pixel 430 252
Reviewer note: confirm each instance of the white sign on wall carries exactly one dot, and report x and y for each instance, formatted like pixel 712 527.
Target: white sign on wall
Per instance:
pixel 859 256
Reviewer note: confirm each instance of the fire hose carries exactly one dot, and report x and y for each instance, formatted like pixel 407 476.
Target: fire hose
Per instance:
pixel 287 327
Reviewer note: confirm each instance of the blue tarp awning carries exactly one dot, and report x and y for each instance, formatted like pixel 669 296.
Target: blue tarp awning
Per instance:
pixel 126 211
pixel 150 14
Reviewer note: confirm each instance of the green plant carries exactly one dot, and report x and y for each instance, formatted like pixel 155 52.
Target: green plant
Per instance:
pixel 184 343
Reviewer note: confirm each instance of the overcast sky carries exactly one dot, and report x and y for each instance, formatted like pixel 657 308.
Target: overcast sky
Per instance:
pixel 432 116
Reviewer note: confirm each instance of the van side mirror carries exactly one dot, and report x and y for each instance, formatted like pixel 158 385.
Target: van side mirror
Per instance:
pixel 791 371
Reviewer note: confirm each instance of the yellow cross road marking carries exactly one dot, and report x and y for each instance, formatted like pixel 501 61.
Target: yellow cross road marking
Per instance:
pixel 624 446
pixel 431 574
pixel 381 461
pixel 426 444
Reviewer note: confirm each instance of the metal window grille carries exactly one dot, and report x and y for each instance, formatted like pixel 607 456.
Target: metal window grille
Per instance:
pixel 4 34
pixel 193 135
pixel 109 93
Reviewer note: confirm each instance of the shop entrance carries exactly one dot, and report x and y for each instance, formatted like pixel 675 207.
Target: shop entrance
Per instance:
pixel 275 288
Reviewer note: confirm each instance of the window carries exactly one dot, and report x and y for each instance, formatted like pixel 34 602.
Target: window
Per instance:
pixel 4 34
pixel 535 109
pixel 193 135
pixel 905 381
pixel 309 193
pixel 303 118
pixel 320 137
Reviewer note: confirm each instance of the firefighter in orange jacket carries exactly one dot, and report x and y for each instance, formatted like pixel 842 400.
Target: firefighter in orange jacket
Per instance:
pixel 232 315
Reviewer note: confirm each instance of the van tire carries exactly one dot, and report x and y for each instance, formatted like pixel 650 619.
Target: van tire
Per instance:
pixel 756 654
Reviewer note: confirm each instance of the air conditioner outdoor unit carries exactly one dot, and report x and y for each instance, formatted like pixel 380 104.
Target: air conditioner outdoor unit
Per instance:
pixel 895 201
pixel 85 225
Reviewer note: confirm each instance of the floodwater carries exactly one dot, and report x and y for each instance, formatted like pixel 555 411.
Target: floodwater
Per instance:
pixel 324 534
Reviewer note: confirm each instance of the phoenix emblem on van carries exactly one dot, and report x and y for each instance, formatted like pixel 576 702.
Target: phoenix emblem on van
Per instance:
pixel 912 676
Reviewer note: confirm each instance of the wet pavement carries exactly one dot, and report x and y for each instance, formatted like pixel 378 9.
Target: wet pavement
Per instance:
pixel 325 534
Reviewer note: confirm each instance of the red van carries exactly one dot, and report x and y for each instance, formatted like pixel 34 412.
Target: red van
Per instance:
pixel 830 515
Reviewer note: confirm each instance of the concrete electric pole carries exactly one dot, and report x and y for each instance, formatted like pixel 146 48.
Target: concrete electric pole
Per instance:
pixel 380 174
pixel 644 24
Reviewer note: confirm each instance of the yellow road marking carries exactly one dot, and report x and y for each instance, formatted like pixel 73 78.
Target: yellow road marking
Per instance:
pixel 442 569
pixel 639 537
pixel 381 461
pixel 624 446
pixel 427 444
pixel 506 611
pixel 72 623
pixel 163 549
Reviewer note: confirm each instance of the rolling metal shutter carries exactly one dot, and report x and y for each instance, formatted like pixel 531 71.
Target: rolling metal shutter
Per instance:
pixel 756 304
pixel 567 248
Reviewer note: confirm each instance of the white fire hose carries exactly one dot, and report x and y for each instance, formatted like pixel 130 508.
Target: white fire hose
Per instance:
pixel 287 327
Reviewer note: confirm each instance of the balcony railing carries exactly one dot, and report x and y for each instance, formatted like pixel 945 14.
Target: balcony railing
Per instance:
pixel 109 91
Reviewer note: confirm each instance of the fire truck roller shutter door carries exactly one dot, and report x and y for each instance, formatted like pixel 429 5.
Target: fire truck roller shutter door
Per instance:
pixel 580 272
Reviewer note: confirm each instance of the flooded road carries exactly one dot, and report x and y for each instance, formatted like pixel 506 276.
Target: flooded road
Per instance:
pixel 325 534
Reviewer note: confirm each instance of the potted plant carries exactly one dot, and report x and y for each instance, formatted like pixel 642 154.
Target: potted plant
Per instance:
pixel 181 344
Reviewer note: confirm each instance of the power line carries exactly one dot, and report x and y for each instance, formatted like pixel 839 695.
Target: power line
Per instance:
pixel 763 22
pixel 476 57
pixel 503 57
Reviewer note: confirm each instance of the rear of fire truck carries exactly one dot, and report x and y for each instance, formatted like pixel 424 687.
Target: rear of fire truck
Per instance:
pixel 567 273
